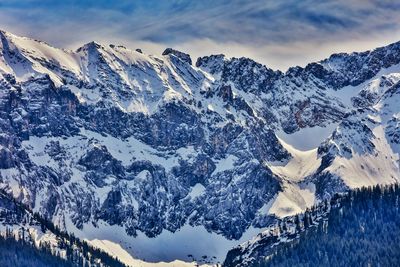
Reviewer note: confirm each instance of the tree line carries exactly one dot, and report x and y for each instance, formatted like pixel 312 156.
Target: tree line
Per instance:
pixel 20 249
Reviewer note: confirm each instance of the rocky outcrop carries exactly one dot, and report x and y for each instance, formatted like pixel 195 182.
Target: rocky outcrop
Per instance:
pixel 182 56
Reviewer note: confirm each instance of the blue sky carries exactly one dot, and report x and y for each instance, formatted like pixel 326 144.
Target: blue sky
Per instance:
pixel 276 33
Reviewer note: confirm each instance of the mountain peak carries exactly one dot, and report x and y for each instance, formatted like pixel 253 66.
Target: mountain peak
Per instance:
pixel 181 55
pixel 7 36
pixel 90 46
pixel 212 64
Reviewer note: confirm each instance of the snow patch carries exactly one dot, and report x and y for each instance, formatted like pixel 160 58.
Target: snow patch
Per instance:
pixel 293 200
pixel 197 190
pixel 301 165
pixel 225 164
pixel 307 138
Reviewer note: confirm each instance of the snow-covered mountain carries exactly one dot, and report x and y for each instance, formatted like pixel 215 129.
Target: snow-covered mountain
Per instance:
pixel 153 151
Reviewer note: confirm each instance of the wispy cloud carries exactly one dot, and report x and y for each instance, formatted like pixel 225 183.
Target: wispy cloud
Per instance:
pixel 276 33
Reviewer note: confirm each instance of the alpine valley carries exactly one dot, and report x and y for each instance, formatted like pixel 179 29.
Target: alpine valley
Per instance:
pixel 160 161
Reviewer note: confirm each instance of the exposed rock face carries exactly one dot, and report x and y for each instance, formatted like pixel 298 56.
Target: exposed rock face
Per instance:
pixel 109 134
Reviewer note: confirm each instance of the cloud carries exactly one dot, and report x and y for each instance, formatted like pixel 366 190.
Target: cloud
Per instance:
pixel 276 33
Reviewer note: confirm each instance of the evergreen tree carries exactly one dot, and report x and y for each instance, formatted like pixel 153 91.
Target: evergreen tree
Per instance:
pixel 361 229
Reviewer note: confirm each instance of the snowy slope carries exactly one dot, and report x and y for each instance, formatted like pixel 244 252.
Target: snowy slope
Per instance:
pixel 363 152
pixel 117 251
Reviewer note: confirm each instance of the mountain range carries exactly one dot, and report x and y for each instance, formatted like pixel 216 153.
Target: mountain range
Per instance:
pixel 149 153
